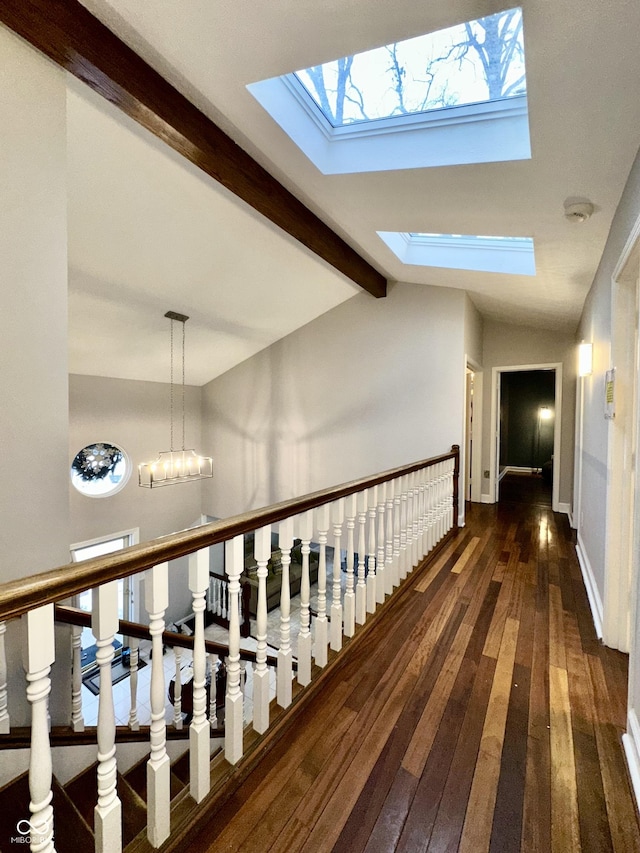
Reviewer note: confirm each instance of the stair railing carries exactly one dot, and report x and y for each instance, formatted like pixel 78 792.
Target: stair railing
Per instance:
pixel 406 512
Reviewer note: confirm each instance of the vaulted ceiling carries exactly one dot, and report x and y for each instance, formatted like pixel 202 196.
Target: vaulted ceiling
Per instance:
pixel 150 232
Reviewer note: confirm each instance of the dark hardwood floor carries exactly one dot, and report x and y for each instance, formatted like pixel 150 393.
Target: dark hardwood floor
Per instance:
pixel 482 714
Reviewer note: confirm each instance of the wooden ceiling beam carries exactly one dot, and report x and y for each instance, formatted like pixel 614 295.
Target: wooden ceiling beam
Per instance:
pixel 76 40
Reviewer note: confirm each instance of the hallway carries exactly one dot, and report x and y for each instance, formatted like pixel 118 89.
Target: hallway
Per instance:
pixel 481 715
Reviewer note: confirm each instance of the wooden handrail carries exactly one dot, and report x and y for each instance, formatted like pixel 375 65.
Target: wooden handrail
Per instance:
pixel 75 616
pixel 24 594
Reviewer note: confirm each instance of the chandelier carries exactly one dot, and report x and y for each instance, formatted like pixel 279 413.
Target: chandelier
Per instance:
pixel 175 466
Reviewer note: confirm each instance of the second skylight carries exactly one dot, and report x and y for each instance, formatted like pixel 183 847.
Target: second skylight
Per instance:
pixel 463 251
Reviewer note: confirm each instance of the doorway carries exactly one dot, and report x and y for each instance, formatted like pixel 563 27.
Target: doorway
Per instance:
pixel 622 530
pixel 127 593
pixel 526 418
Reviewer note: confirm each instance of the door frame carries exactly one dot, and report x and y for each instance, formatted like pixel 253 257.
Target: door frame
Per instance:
pixel 494 457
pixel 622 533
pixel 476 456
pixel 131 586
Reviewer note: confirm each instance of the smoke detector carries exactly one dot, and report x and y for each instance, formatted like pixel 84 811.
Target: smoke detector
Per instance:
pixel 578 211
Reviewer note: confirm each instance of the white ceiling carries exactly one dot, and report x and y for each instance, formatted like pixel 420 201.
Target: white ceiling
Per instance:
pixel 149 233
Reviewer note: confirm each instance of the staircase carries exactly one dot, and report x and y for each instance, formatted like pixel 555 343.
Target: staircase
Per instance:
pixel 74 805
pixel 390 521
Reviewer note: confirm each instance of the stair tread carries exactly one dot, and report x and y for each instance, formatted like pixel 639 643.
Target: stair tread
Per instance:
pixel 71 832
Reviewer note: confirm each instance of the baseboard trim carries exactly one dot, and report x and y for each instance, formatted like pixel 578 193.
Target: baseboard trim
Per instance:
pixel 595 602
pixel 631 744
pixel 486 499
pixel 566 509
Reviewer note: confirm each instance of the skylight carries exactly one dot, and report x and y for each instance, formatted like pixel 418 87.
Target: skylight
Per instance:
pixel 470 63
pixel 452 97
pixel 463 251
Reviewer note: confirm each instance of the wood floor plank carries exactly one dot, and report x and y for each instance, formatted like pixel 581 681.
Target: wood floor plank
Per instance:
pixel 476 832
pixel 466 555
pixel 620 806
pixel 565 825
pixel 482 714
pixel 494 637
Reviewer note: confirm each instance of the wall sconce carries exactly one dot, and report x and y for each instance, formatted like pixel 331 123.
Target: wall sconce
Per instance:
pixel 585 359
pixel 545 413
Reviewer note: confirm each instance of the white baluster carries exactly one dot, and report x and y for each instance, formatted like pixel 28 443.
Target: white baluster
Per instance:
pixel 156 594
pixel 262 554
pixel 38 644
pixel 246 680
pixel 305 521
pixel 77 720
pixel 233 717
pixel 361 588
pixel 403 527
pixel 409 550
pixel 108 811
pixel 421 513
pixel 452 509
pixel 380 567
pixel 430 516
pixel 337 516
pixel 225 600
pixel 321 625
pixel 397 502
pixel 134 644
pixel 351 509
pixel 199 752
pixel 389 572
pixel 372 582
pixel 441 490
pixel 415 518
pixel 284 674
pixel 177 690
pixel 213 691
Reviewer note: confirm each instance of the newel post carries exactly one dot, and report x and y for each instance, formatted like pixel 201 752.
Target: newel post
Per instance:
pixel 455 448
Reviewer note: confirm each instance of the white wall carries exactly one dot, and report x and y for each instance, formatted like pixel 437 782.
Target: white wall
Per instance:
pixel 34 533
pixel 473 332
pixel 135 416
pixel 33 311
pixel 506 346
pixel 596 326
pixel 371 384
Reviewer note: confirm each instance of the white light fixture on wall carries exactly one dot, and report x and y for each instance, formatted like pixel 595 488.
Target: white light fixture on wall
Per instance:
pixel 585 359
pixel 175 466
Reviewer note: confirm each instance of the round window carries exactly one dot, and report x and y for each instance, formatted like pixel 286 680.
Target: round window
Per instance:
pixel 100 469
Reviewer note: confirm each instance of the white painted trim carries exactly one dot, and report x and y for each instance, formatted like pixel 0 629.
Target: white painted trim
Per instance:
pixel 476 463
pixel 629 246
pixel 486 499
pixel 631 744
pixel 499 131
pixel 133 535
pixel 565 507
pixel 570 514
pixel 595 602
pixel 621 529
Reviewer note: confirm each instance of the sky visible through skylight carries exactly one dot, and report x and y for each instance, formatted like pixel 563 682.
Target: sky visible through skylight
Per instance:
pixel 470 63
